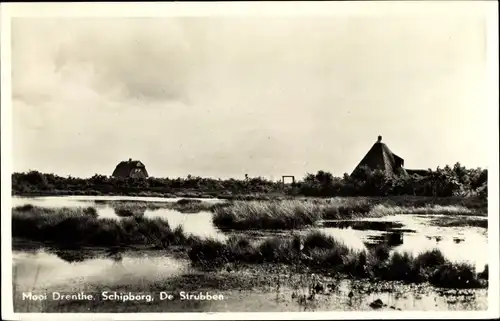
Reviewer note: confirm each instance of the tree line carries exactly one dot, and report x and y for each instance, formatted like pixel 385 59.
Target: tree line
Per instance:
pixel 441 182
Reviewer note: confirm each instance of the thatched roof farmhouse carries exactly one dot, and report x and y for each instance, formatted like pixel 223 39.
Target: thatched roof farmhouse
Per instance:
pixel 382 158
pixel 130 168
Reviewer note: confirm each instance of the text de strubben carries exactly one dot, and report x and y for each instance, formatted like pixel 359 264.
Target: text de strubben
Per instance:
pixel 123 296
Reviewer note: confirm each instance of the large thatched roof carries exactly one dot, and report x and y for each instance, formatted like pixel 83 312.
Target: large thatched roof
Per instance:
pixel 130 168
pixel 382 158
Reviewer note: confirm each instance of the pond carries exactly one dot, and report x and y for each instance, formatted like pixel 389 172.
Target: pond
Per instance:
pixel 44 269
pixel 419 233
pixel 459 244
pixel 199 224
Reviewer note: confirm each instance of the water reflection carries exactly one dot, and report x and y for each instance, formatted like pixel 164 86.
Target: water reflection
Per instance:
pixel 79 255
pixel 66 269
pixel 363 225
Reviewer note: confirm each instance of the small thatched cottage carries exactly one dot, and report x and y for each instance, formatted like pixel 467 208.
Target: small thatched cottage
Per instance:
pixel 130 168
pixel 382 158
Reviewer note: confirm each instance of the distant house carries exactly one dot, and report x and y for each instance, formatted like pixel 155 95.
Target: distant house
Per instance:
pixel 130 168
pixel 382 158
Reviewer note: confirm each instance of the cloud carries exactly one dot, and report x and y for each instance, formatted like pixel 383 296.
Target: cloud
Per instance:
pixel 145 59
pixel 225 95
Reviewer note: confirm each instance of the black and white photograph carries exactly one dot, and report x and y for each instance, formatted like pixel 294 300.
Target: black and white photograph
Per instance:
pixel 333 159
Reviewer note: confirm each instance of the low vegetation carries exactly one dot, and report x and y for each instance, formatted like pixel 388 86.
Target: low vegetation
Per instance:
pixel 481 222
pixel 243 215
pixel 73 227
pixel 325 254
pixel 301 213
pixel 287 214
pixel 384 209
pixel 448 181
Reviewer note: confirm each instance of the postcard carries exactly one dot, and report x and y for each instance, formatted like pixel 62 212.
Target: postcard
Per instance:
pixel 253 160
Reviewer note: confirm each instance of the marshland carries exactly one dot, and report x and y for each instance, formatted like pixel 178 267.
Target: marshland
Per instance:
pixel 322 244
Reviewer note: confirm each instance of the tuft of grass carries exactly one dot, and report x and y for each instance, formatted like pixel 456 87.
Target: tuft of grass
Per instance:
pixel 430 259
pixel 208 253
pixel 455 275
pixel 286 214
pixel 187 205
pixel 317 239
pixel 90 211
pixel 130 212
pixel 242 215
pixel 402 267
pixel 345 207
pixel 381 252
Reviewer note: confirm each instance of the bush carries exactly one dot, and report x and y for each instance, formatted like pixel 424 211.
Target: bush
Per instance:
pixel 484 275
pixel 455 275
pixel 431 259
pixel 441 182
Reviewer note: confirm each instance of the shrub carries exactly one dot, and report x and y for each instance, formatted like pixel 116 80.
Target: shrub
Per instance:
pixel 401 266
pixel 454 275
pixel 381 252
pixel 430 259
pixel 484 275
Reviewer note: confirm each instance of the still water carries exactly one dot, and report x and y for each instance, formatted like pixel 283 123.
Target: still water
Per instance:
pixel 43 269
pixel 43 272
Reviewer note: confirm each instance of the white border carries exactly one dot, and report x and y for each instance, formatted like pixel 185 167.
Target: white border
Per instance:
pixel 147 9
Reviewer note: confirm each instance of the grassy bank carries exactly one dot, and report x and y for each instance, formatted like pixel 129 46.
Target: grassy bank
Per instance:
pixel 324 254
pixel 299 213
pixel 73 227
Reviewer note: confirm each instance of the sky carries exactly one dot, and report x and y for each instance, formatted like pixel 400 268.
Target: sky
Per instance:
pixel 263 96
